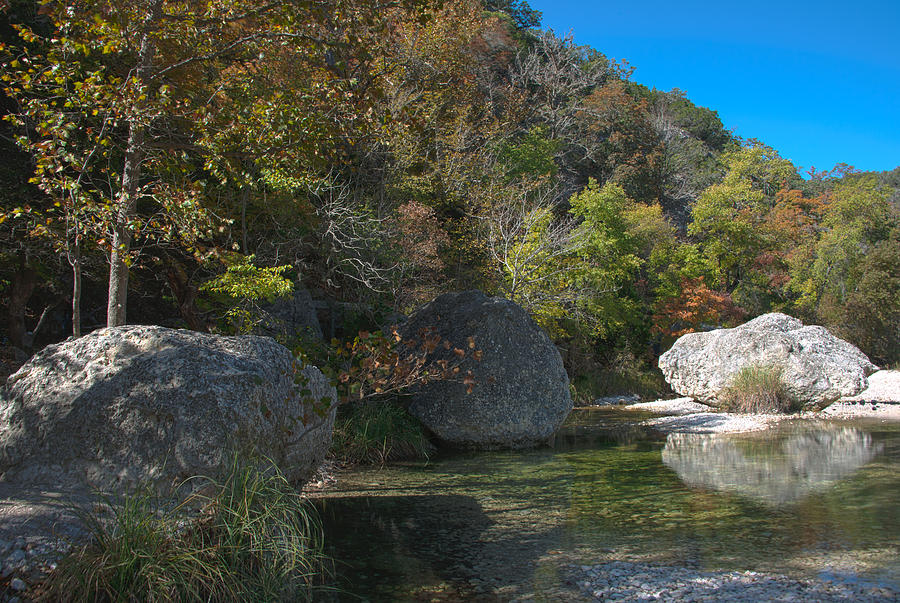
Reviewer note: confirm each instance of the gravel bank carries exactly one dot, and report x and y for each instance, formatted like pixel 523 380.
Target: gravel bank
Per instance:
pixel 684 415
pixel 677 406
pixel 38 525
pixel 714 422
pixel 627 581
pixel 881 400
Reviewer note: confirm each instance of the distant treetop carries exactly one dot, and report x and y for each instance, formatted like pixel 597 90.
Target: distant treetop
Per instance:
pixel 524 16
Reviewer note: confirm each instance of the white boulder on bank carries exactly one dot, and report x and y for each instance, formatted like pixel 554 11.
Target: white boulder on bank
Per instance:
pixel 817 368
pixel 127 406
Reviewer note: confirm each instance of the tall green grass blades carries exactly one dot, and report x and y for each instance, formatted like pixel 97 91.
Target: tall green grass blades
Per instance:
pixel 253 538
pixel 378 431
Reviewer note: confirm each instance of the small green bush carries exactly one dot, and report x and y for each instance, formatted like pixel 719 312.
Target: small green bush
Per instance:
pixel 757 389
pixel 254 538
pixel 378 431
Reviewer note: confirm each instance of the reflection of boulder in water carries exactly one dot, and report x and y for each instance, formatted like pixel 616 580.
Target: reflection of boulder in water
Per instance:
pixel 774 471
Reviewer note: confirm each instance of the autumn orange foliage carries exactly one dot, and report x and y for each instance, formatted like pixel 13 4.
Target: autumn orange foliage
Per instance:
pixel 696 307
pixel 378 364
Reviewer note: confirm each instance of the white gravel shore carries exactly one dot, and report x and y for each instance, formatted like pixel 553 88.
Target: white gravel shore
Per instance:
pixel 627 581
pixel 684 415
pixel 881 400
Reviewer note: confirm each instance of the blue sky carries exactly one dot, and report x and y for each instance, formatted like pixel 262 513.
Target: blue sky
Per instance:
pixel 819 81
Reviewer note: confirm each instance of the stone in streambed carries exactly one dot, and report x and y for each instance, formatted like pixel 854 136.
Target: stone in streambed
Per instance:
pixel 521 392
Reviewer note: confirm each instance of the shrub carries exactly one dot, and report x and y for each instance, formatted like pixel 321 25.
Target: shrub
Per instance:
pixel 624 374
pixel 254 538
pixel 757 389
pixel 378 431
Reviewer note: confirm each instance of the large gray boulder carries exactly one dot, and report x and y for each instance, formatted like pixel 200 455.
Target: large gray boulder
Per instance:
pixel 816 367
pixel 139 405
pixel 521 391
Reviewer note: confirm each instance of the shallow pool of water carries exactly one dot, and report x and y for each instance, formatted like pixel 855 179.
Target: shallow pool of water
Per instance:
pixel 807 499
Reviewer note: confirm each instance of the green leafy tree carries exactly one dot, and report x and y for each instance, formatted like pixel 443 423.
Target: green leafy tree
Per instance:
pixel 245 285
pixel 729 221
pixel 858 218
pixel 142 96
pixel 610 258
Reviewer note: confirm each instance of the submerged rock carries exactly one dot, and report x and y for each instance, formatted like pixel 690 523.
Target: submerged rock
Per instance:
pixel 125 406
pixel 521 392
pixel 816 367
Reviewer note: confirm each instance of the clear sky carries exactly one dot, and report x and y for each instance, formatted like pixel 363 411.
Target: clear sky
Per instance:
pixel 817 80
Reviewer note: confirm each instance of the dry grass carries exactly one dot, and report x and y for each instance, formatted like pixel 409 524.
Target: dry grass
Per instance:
pixel 757 390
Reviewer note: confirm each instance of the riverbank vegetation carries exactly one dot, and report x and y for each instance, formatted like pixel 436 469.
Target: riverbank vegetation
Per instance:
pixel 381 155
pixel 246 536
pixel 378 432
pixel 758 389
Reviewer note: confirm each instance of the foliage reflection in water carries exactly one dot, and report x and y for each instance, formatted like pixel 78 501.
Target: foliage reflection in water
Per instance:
pixel 798 500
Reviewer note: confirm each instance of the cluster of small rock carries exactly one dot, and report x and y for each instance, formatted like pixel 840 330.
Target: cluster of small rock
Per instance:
pixel 616 400
pixel 27 561
pixel 627 581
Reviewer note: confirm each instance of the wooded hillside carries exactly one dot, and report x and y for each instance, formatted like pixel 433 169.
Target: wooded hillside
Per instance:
pixel 175 162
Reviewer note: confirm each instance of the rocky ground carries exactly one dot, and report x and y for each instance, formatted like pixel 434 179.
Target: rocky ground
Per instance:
pixel 628 581
pixel 38 525
pixel 881 400
pixel 684 415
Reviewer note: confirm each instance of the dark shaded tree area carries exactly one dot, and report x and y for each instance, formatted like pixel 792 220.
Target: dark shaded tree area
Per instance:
pixel 380 155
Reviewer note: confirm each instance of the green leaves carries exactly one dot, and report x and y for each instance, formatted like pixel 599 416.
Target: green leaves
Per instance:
pixel 246 284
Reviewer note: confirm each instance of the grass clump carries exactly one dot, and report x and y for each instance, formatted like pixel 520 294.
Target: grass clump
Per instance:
pixel 378 431
pixel 757 389
pixel 249 536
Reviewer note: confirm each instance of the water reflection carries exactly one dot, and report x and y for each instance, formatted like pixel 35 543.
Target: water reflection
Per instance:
pixel 775 471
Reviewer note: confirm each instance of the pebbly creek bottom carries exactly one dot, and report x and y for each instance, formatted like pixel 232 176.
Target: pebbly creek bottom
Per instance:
pixel 806 510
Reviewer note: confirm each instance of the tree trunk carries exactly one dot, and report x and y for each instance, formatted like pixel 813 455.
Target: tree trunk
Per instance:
pixel 131 182
pixel 121 239
pixel 245 198
pixel 24 281
pixel 76 288
pixel 185 296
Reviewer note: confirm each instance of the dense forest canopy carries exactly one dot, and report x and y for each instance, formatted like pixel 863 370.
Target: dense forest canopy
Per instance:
pixel 168 162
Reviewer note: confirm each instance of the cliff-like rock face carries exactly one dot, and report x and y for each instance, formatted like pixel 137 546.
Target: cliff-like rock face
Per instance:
pixel 521 391
pixel 132 405
pixel 816 367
